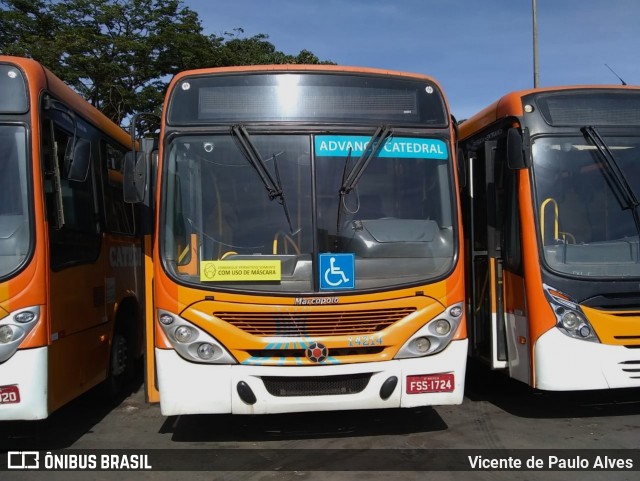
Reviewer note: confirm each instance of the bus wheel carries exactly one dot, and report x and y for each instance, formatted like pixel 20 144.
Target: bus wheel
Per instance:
pixel 118 363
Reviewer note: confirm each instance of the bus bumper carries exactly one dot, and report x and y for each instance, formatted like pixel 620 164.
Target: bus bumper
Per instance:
pixel 190 388
pixel 26 371
pixel 566 364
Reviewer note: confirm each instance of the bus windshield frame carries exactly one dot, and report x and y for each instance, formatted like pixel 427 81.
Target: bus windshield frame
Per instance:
pixel 585 224
pixel 397 225
pixel 16 223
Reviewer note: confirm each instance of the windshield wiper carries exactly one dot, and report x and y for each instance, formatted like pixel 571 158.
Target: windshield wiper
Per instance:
pixel 373 147
pixel 273 186
pixel 341 199
pixel 614 168
pixel 381 135
pixel 617 174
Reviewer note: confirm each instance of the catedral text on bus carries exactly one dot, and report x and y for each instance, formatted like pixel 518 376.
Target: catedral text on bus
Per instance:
pixel 551 214
pixel 70 270
pixel 307 243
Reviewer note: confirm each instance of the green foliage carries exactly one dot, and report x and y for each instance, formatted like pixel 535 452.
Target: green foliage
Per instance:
pixel 120 54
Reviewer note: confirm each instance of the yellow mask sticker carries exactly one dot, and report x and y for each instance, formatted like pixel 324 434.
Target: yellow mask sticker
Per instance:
pixel 236 270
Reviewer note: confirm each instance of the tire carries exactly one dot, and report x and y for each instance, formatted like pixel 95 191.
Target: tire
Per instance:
pixel 119 367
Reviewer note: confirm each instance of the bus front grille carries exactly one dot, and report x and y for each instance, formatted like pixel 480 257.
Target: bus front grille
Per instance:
pixel 301 353
pixel 316 386
pixel 314 323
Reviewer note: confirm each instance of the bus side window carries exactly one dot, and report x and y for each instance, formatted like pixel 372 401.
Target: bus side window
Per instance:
pixel 119 215
pixel 78 239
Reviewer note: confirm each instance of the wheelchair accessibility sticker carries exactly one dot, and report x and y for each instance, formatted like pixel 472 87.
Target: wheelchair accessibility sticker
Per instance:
pixel 337 271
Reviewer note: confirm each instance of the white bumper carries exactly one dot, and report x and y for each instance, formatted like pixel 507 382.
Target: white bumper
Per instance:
pixel 26 369
pixel 566 364
pixel 190 388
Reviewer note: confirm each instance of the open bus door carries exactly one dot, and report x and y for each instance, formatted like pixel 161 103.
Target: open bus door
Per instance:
pixel 140 174
pixel 487 335
pixel 499 332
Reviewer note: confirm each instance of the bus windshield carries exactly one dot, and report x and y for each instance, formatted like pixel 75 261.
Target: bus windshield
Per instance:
pixel 14 199
pixel 586 221
pixel 397 220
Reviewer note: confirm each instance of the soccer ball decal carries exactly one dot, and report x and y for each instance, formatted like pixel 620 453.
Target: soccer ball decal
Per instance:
pixel 317 352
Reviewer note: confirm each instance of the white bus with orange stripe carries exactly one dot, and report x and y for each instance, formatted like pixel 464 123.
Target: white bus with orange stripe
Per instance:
pixel 551 213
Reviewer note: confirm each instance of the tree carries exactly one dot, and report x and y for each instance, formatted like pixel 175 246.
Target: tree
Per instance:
pixel 120 54
pixel 256 50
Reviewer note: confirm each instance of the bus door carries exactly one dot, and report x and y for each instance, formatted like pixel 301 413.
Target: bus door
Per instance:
pixel 488 340
pixel 79 333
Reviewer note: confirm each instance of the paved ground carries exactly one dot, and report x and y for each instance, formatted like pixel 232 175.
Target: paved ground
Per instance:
pixel 497 415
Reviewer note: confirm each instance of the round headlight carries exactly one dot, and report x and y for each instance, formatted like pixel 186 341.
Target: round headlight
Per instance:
pixel 6 334
pixel 183 333
pixel 585 331
pixel 442 327
pixel 455 311
pixel 422 344
pixel 206 351
pixel 166 319
pixel 570 320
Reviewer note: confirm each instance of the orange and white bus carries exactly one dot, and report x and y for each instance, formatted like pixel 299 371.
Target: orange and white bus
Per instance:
pixel 307 243
pixel 551 210
pixel 70 262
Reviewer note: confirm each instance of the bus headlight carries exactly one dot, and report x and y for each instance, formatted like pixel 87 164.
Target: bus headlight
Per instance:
pixel 206 351
pixel 183 334
pixel 191 342
pixel 422 344
pixel 434 336
pixel 24 317
pixel 570 319
pixel 442 327
pixel 14 328
pixel 6 334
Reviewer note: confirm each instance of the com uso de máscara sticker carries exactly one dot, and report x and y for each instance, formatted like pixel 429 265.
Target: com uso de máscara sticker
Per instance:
pixel 403 147
pixel 265 270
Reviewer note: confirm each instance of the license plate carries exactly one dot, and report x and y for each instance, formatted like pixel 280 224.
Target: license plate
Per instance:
pixel 442 382
pixel 9 394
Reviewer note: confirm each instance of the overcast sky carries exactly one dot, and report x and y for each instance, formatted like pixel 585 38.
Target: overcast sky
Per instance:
pixel 477 49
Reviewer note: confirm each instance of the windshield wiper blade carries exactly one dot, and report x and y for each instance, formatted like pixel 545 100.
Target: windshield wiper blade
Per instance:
pixel 614 167
pixel 251 153
pixel 349 182
pixel 283 200
pixel 273 186
pixel 374 146
pixel 341 196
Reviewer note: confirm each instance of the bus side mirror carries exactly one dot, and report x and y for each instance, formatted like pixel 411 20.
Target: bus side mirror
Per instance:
pixel 516 157
pixel 77 162
pixel 134 177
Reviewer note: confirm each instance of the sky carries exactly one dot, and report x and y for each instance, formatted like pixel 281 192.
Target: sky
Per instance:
pixel 478 50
